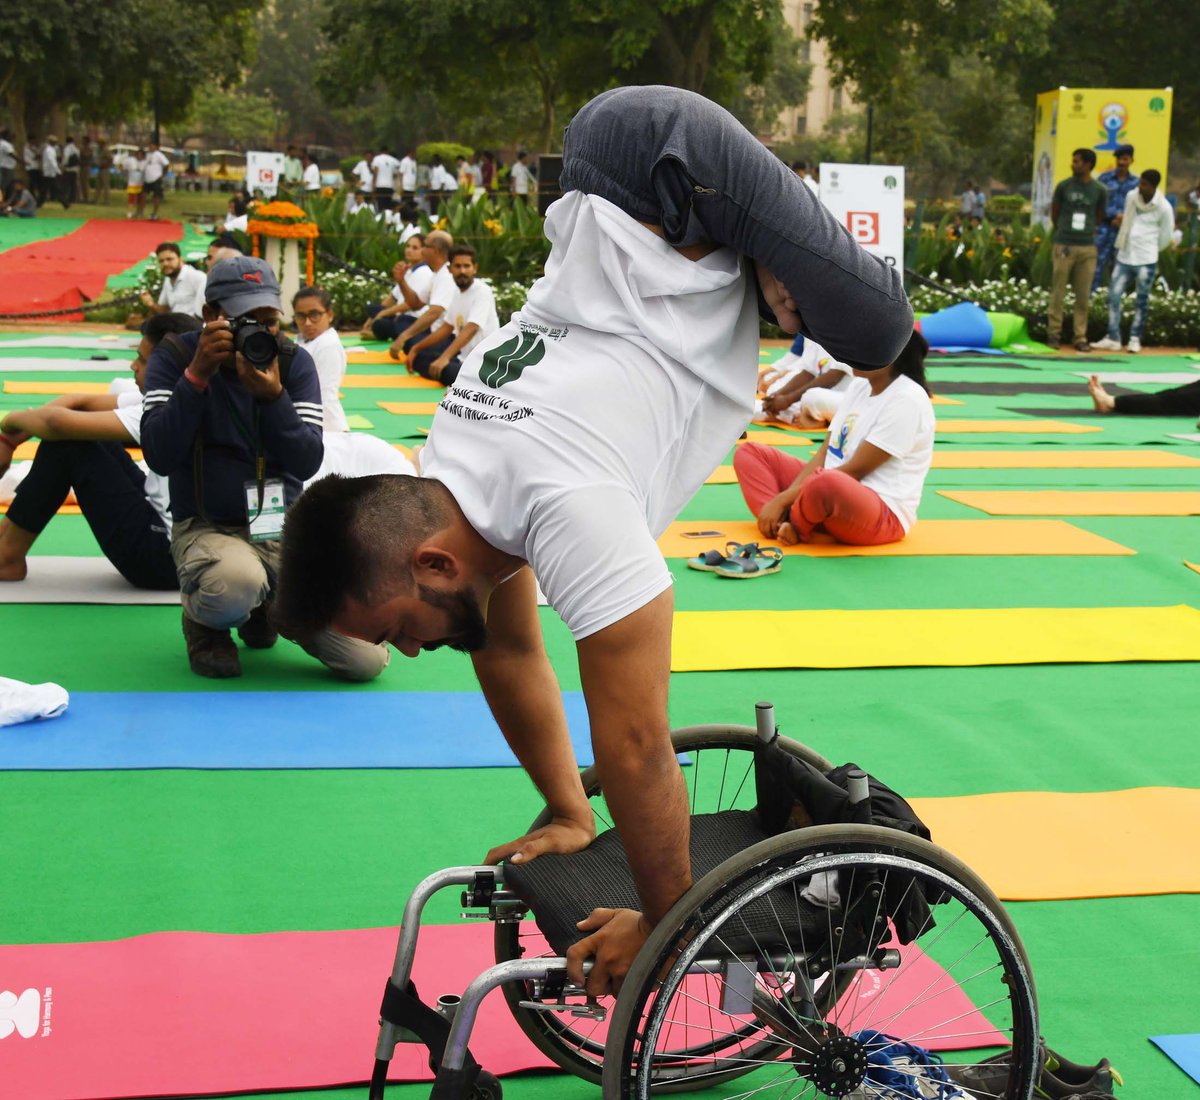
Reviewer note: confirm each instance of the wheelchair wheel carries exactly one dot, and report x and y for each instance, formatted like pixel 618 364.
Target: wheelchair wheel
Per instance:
pixel 719 771
pixel 957 980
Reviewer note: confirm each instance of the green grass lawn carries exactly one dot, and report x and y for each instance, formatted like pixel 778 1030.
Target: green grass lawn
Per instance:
pixel 176 205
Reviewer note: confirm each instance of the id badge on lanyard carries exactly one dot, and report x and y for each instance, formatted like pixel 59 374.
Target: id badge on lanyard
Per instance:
pixel 264 506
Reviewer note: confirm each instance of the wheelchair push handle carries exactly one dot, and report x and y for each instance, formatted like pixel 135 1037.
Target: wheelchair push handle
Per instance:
pixel 764 717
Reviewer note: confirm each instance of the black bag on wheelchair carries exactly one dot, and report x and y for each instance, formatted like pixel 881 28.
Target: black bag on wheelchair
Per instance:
pixel 563 889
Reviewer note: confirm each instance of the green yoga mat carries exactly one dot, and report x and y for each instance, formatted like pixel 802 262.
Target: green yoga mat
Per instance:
pixel 15 232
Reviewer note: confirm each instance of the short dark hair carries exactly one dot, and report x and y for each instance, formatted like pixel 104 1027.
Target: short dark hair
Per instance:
pixel 352 537
pixel 1088 156
pixel 168 246
pixel 318 292
pixel 463 250
pixel 911 360
pixel 225 240
pixel 158 325
pixel 1152 176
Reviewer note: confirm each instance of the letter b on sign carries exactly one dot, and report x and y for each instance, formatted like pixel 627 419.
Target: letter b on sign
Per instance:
pixel 863 226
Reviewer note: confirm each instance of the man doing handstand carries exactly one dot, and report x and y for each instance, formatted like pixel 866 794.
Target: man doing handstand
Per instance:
pixel 571 438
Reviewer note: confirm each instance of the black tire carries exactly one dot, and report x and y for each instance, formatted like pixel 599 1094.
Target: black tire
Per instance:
pixel 719 908
pixel 578 1047
pixel 487 1087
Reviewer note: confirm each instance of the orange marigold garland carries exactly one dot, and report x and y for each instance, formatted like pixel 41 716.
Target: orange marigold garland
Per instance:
pixel 284 221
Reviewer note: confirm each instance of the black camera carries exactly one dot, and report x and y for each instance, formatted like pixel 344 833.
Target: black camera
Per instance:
pixel 255 341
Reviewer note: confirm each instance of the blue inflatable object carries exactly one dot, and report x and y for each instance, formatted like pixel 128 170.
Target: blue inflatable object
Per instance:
pixel 961 327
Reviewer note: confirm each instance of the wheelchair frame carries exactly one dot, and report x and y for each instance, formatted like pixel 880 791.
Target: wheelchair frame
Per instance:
pixel 676 951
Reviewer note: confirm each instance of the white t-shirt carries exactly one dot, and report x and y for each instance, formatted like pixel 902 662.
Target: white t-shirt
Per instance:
pixel 133 170
pixel 30 155
pixel 1150 228
pixel 366 178
pixel 475 305
pixel 900 421
pixel 442 288
pixel 8 158
pixel 156 165
pixel 521 178
pixel 577 432
pixel 157 489
pixel 330 358
pixel 357 454
pixel 312 178
pixel 184 293
pixel 441 180
pixel 815 360
pixel 408 173
pixel 385 166
pixel 420 281
pixel 49 161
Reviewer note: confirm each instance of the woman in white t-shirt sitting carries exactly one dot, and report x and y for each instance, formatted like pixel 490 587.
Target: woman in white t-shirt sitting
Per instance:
pixel 806 387
pixel 353 454
pixel 864 484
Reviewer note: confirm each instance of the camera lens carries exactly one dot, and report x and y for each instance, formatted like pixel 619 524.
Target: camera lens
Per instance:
pixel 256 344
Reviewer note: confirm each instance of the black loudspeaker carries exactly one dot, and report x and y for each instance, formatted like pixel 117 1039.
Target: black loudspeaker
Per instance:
pixel 549 168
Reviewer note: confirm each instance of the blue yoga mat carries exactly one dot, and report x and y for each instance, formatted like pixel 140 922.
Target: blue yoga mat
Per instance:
pixel 1183 1050
pixel 259 729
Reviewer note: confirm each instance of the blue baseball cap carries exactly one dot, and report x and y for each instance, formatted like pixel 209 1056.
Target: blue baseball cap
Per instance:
pixel 241 284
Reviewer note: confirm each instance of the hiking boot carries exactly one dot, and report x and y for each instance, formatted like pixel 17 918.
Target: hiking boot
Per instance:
pixel 1054 342
pixel 257 632
pixel 1082 345
pixel 1107 344
pixel 1135 345
pixel 210 652
pixel 990 1077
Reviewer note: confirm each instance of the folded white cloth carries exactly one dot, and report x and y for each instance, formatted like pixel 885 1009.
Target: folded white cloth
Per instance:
pixel 21 702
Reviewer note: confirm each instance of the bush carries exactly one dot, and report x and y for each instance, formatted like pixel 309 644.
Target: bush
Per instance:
pixel 1006 209
pixel 1173 318
pixel 447 150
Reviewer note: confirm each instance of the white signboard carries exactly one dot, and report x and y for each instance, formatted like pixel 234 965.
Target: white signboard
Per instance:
pixel 868 199
pixel 264 171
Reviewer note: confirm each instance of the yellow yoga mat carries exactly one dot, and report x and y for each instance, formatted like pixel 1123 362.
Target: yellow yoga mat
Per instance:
pixel 722 475
pixel 780 426
pixel 360 358
pixel 777 439
pixel 1016 427
pixel 1193 568
pixel 1041 846
pixel 401 381
pixel 12 385
pixel 409 408
pixel 65 510
pixel 944 637
pixel 1049 502
pixel 27 450
pixel 1051 458
pixel 938 399
pixel 929 537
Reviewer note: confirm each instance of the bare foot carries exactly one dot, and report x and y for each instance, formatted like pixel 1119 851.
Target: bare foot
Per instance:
pixel 1101 398
pixel 14 569
pixel 14 545
pixel 787 535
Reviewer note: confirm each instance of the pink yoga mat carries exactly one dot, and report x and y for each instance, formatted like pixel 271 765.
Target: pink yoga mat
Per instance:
pixel 186 1013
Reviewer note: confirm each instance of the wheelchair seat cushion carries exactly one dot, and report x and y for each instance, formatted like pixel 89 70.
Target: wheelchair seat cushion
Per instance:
pixel 561 890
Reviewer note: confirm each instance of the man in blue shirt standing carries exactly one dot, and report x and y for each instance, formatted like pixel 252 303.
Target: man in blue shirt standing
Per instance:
pixel 1119 181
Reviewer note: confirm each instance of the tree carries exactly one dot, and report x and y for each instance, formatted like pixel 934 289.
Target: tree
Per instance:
pixel 555 54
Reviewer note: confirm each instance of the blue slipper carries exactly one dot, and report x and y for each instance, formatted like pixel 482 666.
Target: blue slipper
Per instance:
pixel 753 561
pixel 710 559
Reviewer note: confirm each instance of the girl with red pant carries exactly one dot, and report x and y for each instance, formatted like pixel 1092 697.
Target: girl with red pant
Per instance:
pixel 864 484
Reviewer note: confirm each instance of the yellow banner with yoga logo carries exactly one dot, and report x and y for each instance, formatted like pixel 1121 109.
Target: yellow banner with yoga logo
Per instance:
pixel 1099 119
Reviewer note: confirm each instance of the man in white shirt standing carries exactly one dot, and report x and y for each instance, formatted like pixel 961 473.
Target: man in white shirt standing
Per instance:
pixel 31 155
pixel 183 285
pixel 8 164
pixel 310 180
pixel 51 172
pixel 1146 227
pixel 520 177
pixel 364 175
pixel 408 177
pixel 152 177
pixel 70 172
pixel 384 166
pixel 470 318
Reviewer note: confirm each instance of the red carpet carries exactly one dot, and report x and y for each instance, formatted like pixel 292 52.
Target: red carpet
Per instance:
pixel 67 271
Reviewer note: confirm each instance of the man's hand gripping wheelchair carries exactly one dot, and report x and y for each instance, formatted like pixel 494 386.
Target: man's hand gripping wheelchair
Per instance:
pixel 806 955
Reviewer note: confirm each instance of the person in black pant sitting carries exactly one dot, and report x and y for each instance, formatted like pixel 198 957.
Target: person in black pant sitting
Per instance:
pixel 1179 401
pixel 84 437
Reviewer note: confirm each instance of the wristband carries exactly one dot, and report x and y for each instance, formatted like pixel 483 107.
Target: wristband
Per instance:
pixel 200 383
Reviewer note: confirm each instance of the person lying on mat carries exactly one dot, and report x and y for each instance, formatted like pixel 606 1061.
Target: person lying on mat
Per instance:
pixel 569 441
pixel 864 484
pixel 84 437
pixel 808 392
pixel 1177 401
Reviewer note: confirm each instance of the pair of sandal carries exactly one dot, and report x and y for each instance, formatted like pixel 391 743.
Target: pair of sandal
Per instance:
pixel 741 560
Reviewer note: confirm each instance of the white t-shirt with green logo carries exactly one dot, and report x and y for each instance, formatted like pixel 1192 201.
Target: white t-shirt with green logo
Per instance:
pixel 576 433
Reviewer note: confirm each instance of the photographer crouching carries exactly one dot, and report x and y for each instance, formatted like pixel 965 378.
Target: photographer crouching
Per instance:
pixel 233 420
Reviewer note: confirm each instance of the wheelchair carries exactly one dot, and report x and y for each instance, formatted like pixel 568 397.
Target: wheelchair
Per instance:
pixel 803 957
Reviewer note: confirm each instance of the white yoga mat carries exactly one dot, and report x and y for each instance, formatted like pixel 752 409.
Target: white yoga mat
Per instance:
pixel 99 342
pixel 1191 437
pixel 54 579
pixel 1170 378
pixel 63 366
